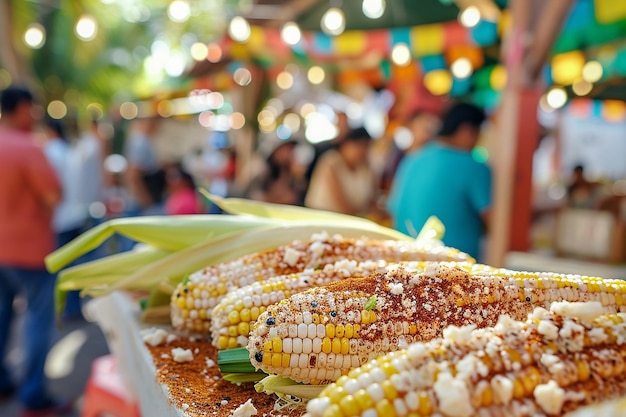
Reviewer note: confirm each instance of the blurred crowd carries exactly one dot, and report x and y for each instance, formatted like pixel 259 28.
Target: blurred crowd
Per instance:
pixel 58 180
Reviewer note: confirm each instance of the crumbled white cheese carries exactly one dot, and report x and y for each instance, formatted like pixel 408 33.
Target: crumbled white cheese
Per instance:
pixel 165 356
pixel 181 355
pixel 322 236
pixel 246 409
pixel 154 337
pixel 224 402
pixel 187 390
pixel 574 333
pixel 185 406
pixel 548 330
pixel 431 269
pixel 539 313
pixel 346 266
pixel 458 334
pixel 210 363
pixel 402 343
pixel 552 363
pixel 550 397
pixel 587 311
pixel 396 288
pixel 597 335
pixel 171 337
pixel 317 248
pixel 502 388
pixel 291 256
pixel 467 367
pixel 505 324
pixel 453 396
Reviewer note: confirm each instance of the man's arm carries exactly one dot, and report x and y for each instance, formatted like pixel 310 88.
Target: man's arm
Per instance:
pixel 480 193
pixel 42 178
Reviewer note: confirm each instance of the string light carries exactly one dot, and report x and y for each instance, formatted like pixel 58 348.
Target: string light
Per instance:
pixel 462 68
pixel 470 16
pixel 239 29
pixel 86 28
pixel 592 72
pixel 401 55
pixel 373 9
pixel 333 21
pixel 35 36
pixel 316 75
pixel 290 33
pixel 556 98
pixel 179 11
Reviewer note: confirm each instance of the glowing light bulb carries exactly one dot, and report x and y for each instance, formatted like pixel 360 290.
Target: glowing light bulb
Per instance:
pixel 86 28
pixel 239 29
pixel 373 9
pixel 333 21
pixel 290 33
pixel 35 36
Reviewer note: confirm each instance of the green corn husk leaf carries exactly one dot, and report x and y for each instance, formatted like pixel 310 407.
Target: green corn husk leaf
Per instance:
pixel 163 232
pixel 235 361
pixel 237 244
pixel 243 378
pixel 432 229
pixel 241 206
pixel 282 386
pixel 104 272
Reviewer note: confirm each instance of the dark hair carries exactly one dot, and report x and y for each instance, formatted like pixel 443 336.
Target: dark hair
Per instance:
pixel 11 98
pixel 461 114
pixel 579 167
pixel 359 134
pixel 56 126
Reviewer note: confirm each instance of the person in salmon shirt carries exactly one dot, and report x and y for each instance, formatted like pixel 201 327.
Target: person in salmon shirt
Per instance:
pixel 29 191
pixel 182 195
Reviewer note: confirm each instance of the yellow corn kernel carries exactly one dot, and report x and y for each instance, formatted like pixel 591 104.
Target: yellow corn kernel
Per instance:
pixel 267 288
pixel 221 288
pixel 349 331
pixel 181 303
pixel 233 331
pixel 363 399
pixel 389 390
pixel 233 317
pixel 277 359
pixel 222 342
pixel 486 398
pixel 365 316
pixel 518 388
pixel 330 330
pixel 254 313
pixel 277 344
pixel 202 314
pixel 315 318
pixel 425 408
pixel 583 370
pixel 385 408
pixel 244 328
pixel 345 346
pixel 232 342
pixel 267 346
pixel 244 314
pixel 326 345
pixel 412 329
pixel 339 330
pixel 267 359
pixel 337 394
pixel 333 410
pixel 190 303
pixel 184 313
pixel 388 368
pixel 262 309
pixel 286 358
pixel 357 328
pixel 336 349
pixel 349 407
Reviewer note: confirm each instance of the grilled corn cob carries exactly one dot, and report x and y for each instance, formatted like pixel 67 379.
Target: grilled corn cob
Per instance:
pixel 320 334
pixel 233 317
pixel 553 363
pixel 195 297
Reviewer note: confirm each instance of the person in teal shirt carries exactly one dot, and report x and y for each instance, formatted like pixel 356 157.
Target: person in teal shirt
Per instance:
pixel 442 179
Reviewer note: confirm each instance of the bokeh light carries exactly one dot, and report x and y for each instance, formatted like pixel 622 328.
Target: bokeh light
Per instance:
pixel 35 36
pixel 242 76
pixel 470 16
pixel 438 82
pixel 290 33
pixel 239 29
pixel 129 110
pixel 306 109
pixel 592 72
pixel 86 28
pixel 57 109
pixel 556 98
pixel 401 55
pixel 237 120
pixel 462 68
pixel 333 21
pixel 582 87
pixel 284 80
pixel 292 120
pixel 179 11
pixel 373 9
pixel 214 53
pixel 316 75
pixel 199 51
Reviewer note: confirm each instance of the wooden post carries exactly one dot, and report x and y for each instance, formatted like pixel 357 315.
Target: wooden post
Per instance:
pixel 525 50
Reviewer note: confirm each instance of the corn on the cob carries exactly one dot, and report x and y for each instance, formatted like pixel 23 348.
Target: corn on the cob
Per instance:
pixel 233 317
pixel 317 335
pixel 195 297
pixel 554 362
